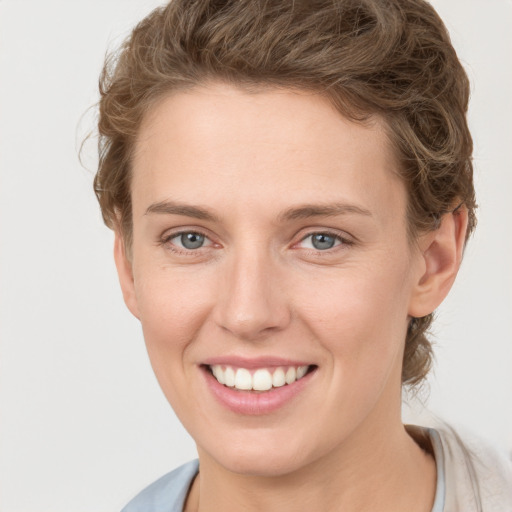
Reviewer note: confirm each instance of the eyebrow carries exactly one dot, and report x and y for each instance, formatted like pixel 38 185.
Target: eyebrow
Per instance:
pixel 296 213
pixel 323 210
pixel 174 208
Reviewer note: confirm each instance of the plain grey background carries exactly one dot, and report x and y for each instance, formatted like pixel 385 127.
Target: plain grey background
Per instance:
pixel 83 423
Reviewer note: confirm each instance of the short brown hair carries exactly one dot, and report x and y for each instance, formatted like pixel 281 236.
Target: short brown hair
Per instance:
pixel 387 57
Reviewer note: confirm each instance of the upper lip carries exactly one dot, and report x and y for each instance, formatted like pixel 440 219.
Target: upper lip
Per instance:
pixel 254 362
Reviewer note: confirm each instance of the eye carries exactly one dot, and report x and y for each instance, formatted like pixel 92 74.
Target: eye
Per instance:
pixel 188 240
pixel 321 241
pixel 192 240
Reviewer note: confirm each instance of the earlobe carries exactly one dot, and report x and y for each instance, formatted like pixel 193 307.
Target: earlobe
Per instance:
pixel 125 274
pixel 441 252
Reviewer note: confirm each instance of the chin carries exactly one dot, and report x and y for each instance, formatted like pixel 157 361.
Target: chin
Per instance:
pixel 262 465
pixel 257 455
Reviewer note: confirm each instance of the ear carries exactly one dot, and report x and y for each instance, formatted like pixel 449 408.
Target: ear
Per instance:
pixel 440 256
pixel 125 274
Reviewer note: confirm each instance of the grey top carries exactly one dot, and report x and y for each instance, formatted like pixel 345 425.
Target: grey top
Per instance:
pixel 437 447
pixel 481 482
pixel 168 493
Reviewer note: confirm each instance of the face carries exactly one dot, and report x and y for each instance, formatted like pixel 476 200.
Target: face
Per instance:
pixel 270 249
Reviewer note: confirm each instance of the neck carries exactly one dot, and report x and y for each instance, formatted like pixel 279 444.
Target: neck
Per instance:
pixel 376 469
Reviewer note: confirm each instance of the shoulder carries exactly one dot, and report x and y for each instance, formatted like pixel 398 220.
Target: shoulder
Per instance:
pixel 478 476
pixel 168 493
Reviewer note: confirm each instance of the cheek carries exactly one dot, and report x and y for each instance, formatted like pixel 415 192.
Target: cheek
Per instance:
pixel 360 316
pixel 170 298
pixel 173 307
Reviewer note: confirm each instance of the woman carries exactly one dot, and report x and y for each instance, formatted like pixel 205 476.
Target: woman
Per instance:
pixel 290 184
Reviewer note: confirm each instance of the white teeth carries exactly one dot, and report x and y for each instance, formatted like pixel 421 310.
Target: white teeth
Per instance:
pixel 262 379
pixel 243 379
pixel 278 379
pixel 301 371
pixel 219 374
pixel 291 375
pixel 229 377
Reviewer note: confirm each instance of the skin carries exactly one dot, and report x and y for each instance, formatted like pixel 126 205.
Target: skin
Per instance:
pixel 259 288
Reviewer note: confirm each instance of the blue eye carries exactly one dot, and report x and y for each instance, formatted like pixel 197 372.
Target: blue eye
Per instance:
pixel 321 241
pixel 192 240
pixel 189 240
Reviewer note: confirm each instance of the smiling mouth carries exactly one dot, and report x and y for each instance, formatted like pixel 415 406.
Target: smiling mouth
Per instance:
pixel 260 379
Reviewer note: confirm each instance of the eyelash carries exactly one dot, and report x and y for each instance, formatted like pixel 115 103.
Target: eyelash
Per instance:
pixel 166 241
pixel 342 241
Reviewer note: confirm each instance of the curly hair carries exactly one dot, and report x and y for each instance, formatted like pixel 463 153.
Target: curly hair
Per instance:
pixel 392 58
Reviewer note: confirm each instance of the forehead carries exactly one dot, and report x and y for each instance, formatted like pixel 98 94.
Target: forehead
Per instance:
pixel 221 144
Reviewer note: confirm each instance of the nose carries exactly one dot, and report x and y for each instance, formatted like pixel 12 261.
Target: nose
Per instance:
pixel 252 301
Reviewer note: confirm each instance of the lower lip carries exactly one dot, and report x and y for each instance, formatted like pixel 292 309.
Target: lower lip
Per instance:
pixel 255 403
